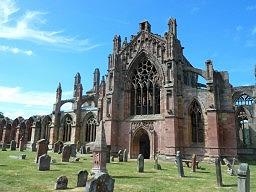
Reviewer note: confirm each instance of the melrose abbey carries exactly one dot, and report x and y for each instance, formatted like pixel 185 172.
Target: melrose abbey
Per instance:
pixel 150 102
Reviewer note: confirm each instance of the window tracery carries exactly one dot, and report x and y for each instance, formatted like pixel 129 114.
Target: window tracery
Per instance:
pixel 90 132
pixel 196 123
pixel 67 129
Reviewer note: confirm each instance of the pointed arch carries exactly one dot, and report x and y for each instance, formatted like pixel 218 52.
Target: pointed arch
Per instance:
pixel 89 126
pixel 46 123
pixel 67 122
pixel 196 122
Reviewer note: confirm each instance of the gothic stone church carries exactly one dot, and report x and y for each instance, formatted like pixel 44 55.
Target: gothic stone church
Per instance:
pixel 150 101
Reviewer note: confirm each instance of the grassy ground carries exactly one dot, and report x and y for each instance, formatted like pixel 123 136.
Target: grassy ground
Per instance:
pixel 23 175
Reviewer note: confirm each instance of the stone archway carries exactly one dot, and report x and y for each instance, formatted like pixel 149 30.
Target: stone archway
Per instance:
pixel 141 144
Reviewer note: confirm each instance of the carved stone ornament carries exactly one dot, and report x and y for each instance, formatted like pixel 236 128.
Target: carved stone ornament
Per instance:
pixel 147 125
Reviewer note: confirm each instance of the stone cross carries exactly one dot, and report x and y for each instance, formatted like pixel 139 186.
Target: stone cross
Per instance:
pixel 125 155
pixel 218 172
pixel 193 163
pixel 44 162
pixel 82 178
pixel 61 183
pixel 120 155
pixel 102 182
pixel 66 153
pixel 179 164
pixel 13 145
pixel 100 151
pixel 42 148
pixel 140 163
pixel 243 176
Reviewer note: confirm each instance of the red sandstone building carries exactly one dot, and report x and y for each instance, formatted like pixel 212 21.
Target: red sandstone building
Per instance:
pixel 151 102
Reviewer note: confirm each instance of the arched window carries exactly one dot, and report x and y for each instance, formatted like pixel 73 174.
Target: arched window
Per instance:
pixel 46 128
pixel 90 130
pixel 67 128
pixel 244 99
pixel 196 123
pixel 244 128
pixel 145 89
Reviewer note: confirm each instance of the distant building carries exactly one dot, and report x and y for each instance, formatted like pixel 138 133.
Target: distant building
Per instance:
pixel 151 100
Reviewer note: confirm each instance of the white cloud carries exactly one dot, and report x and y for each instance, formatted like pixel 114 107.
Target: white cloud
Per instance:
pixel 15 50
pixel 26 27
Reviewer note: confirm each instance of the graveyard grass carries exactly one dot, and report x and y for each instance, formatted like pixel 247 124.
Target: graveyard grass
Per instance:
pixel 23 175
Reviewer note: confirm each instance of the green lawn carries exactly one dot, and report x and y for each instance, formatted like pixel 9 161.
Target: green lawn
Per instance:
pixel 23 175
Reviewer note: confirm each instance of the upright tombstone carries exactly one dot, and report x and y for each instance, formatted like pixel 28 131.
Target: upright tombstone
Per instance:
pixel 61 183
pixel 42 147
pixel 44 162
pixel 82 178
pixel 102 182
pixel 4 145
pixel 13 145
pixel 78 145
pixel 56 147
pixel 243 176
pixel 193 162
pixel 22 143
pixel 218 172
pixel 33 147
pixel 140 163
pixel 179 164
pixel 73 150
pixel 100 151
pixel 61 145
pixel 157 166
pixel 66 152
pixel 125 155
pixel 82 149
pixel 120 155
pixel 108 153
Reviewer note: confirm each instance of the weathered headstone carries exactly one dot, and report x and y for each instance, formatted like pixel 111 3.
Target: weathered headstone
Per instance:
pixel 108 153
pixel 61 183
pixel 66 152
pixel 44 162
pixel 23 156
pixel 73 150
pixel 13 145
pixel 140 163
pixel 218 172
pixel 157 166
pixel 82 149
pixel 102 182
pixel 61 145
pixel 82 178
pixel 243 176
pixel 33 147
pixel 42 148
pixel 125 155
pixel 120 155
pixel 113 158
pixel 4 145
pixel 22 144
pixel 193 163
pixel 56 147
pixel 179 164
pixel 78 145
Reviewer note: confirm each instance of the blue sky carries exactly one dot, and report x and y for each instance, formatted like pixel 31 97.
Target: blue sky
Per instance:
pixel 46 42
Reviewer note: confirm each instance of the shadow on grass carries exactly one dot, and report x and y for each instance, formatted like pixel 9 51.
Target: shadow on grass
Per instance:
pixel 54 170
pixel 192 177
pixel 203 172
pixel 3 165
pixel 229 185
pixel 128 177
pixel 66 163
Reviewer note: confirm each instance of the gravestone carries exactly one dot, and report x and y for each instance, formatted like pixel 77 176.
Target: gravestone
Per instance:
pixel 243 176
pixel 13 145
pixel 140 163
pixel 218 172
pixel 82 149
pixel 82 178
pixel 108 153
pixel 4 145
pixel 78 145
pixel 179 164
pixel 56 147
pixel 125 156
pixel 61 145
pixel 73 150
pixel 230 169
pixel 33 147
pixel 193 163
pixel 22 144
pixel 44 162
pixel 102 182
pixel 61 183
pixel 23 156
pixel 157 166
pixel 42 148
pixel 120 155
pixel 113 158
pixel 66 152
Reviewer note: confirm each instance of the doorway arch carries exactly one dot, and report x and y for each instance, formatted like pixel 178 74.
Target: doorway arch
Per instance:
pixel 141 144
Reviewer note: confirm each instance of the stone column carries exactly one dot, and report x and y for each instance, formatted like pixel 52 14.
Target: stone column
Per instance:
pixel 243 176
pixel 179 164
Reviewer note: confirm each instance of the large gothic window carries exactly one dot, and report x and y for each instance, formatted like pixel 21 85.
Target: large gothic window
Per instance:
pixel 90 131
pixel 196 123
pixel 145 89
pixel 244 100
pixel 67 128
